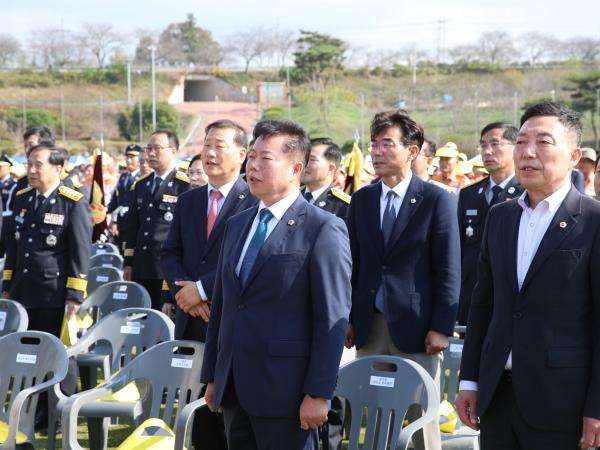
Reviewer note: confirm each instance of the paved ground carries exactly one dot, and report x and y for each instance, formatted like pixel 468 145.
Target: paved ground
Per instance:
pixel 246 114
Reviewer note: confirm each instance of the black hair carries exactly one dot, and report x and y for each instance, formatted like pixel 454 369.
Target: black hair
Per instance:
pixel 509 131
pixel 431 148
pixel 240 137
pixel 570 119
pixel 332 152
pixel 171 136
pixel 412 132
pixel 57 154
pixel 298 139
pixel 197 157
pixel 43 132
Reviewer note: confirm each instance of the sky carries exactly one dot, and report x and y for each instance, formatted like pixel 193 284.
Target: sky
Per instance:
pixel 370 24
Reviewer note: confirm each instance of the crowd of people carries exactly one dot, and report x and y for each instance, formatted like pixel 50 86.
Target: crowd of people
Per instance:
pixel 254 248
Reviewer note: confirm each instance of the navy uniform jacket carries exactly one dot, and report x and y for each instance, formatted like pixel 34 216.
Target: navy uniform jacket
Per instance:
pixel 121 197
pixel 148 222
pixel 282 334
pixel 551 324
pixel 334 201
pixel 419 271
pixel 472 212
pixel 48 258
pixel 187 254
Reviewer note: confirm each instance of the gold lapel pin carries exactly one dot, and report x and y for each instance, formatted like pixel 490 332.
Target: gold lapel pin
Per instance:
pixel 563 224
pixel 291 222
pixel 241 196
pixel 413 200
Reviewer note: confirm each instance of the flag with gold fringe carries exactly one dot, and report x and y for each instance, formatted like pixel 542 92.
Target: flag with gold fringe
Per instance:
pixel 97 205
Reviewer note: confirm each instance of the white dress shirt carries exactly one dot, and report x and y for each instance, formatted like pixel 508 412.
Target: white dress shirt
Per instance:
pixel 278 210
pixel 532 228
pixel 48 192
pixel 489 193
pixel 317 193
pixel 400 190
pixel 224 190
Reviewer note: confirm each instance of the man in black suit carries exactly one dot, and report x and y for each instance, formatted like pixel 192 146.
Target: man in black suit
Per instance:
pixel 497 143
pixel 406 259
pixel 323 163
pixel 531 368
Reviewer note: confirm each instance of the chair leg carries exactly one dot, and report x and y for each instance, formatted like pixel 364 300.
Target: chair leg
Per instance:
pixel 98 433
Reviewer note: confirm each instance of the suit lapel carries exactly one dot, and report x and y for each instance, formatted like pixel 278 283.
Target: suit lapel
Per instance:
pixel 563 222
pixel 199 218
pixel 513 220
pixel 242 234
pixel 373 209
pixel 410 203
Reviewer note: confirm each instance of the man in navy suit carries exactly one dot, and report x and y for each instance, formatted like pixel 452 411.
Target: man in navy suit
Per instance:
pixel 530 372
pixel 191 251
pixel 280 304
pixel 406 258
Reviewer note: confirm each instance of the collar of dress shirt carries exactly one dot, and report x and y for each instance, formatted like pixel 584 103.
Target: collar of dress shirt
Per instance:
pixel 317 193
pixel 278 209
pixel 224 190
pixel 49 191
pixel 134 173
pixel 503 184
pixel 552 202
pixel 164 175
pixel 400 189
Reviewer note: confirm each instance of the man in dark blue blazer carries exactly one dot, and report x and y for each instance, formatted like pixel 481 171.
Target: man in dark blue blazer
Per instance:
pixel 530 371
pixel 406 258
pixel 191 251
pixel 280 305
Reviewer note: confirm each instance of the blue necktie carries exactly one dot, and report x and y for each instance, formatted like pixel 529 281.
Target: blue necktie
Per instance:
pixel 255 245
pixel 389 217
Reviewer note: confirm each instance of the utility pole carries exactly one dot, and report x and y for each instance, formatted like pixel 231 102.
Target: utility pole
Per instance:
pixel 515 108
pixel 101 123
pixel 597 148
pixel 128 83
pixel 362 122
pixel 289 93
pixel 24 109
pixel 141 119
pixel 153 56
pixel 62 118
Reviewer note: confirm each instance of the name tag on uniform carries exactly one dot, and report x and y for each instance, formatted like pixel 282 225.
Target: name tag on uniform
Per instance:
pixel 471 212
pixel 169 198
pixel 54 219
pixel 19 219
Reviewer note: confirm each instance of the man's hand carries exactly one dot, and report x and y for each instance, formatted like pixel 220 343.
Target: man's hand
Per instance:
pixel 188 296
pixel 209 397
pixel 6 295
pixel 167 309
pixel 590 436
pixel 313 412
pixel 72 308
pixel 349 343
pixel 466 404
pixel 201 310
pixel 127 273
pixel 435 342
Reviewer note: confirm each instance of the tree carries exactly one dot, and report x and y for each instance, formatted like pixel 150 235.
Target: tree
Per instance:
pixel 186 43
pixel 284 42
pixel 101 40
pixel 496 47
pixel 33 117
pixel 9 50
pixel 145 39
pixel 250 45
pixel 582 48
pixel 584 91
pixel 463 53
pixel 166 118
pixel 535 47
pixel 54 48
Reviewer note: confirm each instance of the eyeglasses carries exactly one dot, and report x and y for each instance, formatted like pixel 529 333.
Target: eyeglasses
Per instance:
pixel 385 145
pixel 155 148
pixel 196 172
pixel 493 144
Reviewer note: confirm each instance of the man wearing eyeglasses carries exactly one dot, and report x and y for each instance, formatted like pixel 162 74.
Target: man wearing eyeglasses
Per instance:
pixel 497 144
pixel 151 212
pixel 406 259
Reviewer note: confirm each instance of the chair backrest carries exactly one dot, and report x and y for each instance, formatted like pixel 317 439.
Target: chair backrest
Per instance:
pixel 99 248
pixel 13 317
pixel 451 369
pixel 126 333
pixel 384 387
pixel 114 296
pixel 29 358
pixel 107 260
pixel 97 276
pixel 171 370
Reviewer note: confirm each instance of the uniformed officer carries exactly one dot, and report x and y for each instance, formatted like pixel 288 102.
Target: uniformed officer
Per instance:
pixel 6 185
pixel 150 214
pixel 474 201
pixel 121 197
pixel 325 159
pixel 69 179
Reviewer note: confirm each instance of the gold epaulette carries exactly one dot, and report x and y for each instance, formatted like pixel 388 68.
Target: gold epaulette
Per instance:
pixel 70 193
pixel 132 188
pixel 182 176
pixel 63 175
pixel 77 185
pixel 443 186
pixel 341 195
pixel 21 177
pixel 24 191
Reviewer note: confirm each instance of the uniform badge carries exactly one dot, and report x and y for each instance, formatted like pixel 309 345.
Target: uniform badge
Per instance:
pixel 563 224
pixel 51 240
pixel 17 235
pixel 54 219
pixel 291 222
pixel 469 231
pixel 511 190
pixel 30 199
pixel 321 204
pixel 52 201
pixel 148 183
pixel 169 198
pixel 170 184
pixel 480 190
pixel 413 201
pixel 168 216
pixel 471 212
pixel 241 196
pixel 22 213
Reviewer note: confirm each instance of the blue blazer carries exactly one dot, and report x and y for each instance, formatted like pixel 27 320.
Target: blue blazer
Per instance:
pixel 187 254
pixel 280 336
pixel 419 271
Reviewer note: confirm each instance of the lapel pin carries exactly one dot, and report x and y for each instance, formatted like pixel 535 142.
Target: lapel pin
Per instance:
pixel 413 200
pixel 170 184
pixel 241 196
pixel 321 204
pixel 563 224
pixel 30 198
pixel 511 190
pixel 52 201
pixel 291 222
pixel 480 190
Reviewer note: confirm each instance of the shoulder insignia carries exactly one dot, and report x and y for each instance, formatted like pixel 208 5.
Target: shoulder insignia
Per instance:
pixel 443 186
pixel 182 176
pixel 77 185
pixel 21 177
pixel 143 177
pixel 24 191
pixel 341 195
pixel 64 175
pixel 70 193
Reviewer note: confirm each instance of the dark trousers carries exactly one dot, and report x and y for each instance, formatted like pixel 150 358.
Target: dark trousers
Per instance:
pixel 154 288
pixel 504 428
pixel 332 432
pixel 246 432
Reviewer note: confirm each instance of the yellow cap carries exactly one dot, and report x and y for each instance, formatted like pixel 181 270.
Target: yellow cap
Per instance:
pixel 464 167
pixel 450 150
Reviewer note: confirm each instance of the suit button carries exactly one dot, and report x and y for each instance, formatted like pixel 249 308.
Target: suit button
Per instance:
pixel 383 268
pixel 29 240
pixel 203 262
pixel 518 315
pixel 150 205
pixel 26 255
pixel 145 233
pixel 33 225
pixel 147 219
pixel 25 271
pixel 241 306
pixel 144 247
